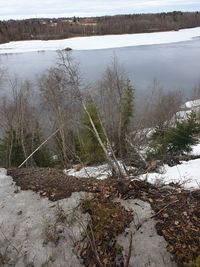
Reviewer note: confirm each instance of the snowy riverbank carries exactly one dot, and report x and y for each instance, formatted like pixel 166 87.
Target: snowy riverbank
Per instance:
pixel 102 42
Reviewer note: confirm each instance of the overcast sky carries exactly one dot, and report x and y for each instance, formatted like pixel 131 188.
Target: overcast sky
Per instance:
pixel 68 8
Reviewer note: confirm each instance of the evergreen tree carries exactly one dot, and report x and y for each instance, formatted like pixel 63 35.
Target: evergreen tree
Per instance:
pixel 181 138
pixel 126 113
pixel 42 157
pixel 176 140
pixel 91 151
pixel 127 104
pixel 11 152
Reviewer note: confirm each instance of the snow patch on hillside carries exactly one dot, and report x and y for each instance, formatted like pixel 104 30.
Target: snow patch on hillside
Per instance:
pixel 27 226
pixel 102 42
pixel 99 172
pixel 186 174
pixel 192 104
pixel 195 150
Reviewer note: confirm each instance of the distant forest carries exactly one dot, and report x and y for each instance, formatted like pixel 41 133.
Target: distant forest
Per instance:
pixel 44 29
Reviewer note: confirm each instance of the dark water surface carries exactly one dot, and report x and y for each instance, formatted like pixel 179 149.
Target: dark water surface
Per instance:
pixel 174 66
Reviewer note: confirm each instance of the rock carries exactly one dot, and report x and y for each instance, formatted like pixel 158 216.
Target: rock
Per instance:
pixel 68 49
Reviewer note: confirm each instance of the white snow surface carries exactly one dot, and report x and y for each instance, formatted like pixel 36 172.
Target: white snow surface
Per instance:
pixel 24 216
pixel 101 42
pixel 148 248
pixel 99 172
pixel 192 104
pixel 186 174
pixel 186 109
pixel 195 150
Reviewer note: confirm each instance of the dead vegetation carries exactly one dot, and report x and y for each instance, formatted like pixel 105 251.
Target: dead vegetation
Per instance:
pixel 51 183
pixel 50 233
pixel 9 253
pixel 108 220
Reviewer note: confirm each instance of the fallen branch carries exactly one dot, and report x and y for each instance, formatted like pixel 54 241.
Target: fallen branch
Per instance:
pixel 153 216
pixel 129 251
pixel 38 148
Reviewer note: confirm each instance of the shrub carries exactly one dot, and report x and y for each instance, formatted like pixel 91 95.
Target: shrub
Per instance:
pixel 175 140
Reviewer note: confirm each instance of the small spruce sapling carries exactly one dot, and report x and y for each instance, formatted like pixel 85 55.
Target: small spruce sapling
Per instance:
pixel 175 140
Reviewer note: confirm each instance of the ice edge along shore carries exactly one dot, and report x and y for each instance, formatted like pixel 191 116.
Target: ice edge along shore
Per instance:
pixel 101 42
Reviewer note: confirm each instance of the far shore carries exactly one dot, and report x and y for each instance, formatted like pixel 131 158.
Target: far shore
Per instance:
pixel 101 42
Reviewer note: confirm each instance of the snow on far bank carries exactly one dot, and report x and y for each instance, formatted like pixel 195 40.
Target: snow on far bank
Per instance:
pixel 187 174
pixel 101 42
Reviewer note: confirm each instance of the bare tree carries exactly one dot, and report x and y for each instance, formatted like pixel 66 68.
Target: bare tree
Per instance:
pixel 63 108
pixel 196 93
pixel 67 64
pixel 18 119
pixel 110 91
pixel 158 107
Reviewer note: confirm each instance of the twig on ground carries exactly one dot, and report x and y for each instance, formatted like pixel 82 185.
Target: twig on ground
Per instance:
pixel 153 216
pixel 129 251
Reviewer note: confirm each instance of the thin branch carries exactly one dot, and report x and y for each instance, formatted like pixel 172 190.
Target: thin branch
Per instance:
pixel 38 148
pixel 129 251
pixel 153 216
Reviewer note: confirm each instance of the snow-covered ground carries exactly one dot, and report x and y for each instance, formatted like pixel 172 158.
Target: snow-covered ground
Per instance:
pixel 186 174
pixel 99 172
pixel 195 150
pixel 29 230
pixel 102 42
pixel 148 248
pixel 192 104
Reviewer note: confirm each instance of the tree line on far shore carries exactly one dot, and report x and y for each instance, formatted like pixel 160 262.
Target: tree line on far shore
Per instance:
pixel 45 29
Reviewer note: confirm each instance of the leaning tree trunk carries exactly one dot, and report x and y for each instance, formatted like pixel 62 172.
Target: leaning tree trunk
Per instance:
pixel 111 161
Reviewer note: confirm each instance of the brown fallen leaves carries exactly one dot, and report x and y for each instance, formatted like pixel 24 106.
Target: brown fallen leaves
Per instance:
pixel 108 220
